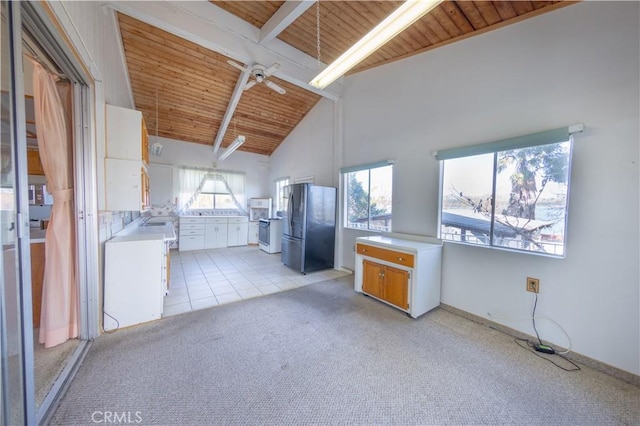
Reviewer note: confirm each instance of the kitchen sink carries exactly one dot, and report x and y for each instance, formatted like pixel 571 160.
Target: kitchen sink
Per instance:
pixel 155 224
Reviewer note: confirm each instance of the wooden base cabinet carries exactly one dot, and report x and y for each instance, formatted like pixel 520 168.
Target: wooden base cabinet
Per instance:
pixel 37 278
pixel 400 272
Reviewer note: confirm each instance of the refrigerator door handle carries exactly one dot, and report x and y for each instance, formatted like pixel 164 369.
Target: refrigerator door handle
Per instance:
pixel 290 211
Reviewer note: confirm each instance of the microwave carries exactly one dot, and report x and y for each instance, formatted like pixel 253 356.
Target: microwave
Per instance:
pixel 38 195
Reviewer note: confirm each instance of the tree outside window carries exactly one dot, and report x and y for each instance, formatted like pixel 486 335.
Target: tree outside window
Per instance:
pixel 368 198
pixel 514 199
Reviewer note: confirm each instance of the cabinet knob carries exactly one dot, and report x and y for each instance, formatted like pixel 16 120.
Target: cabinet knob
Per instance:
pixel 400 259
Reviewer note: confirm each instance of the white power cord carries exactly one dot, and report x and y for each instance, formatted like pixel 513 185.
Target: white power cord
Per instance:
pixel 490 315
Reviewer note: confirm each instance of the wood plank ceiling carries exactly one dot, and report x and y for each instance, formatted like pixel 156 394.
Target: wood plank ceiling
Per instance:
pixel 188 87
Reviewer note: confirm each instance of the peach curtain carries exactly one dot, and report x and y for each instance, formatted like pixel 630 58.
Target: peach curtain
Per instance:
pixel 59 317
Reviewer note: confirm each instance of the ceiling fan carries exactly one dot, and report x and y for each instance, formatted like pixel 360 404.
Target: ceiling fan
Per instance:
pixel 260 74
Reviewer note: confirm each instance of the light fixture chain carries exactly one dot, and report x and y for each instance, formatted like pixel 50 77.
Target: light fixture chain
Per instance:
pixel 156 114
pixel 318 32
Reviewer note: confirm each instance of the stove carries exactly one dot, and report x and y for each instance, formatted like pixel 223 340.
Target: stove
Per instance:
pixel 270 235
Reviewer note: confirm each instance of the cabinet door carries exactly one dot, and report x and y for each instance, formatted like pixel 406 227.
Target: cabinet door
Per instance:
pixel 238 234
pixel 145 143
pixel 395 287
pixel 34 166
pixel 145 190
pixel 215 235
pixel 253 233
pixel 221 235
pixel 124 133
pixel 123 185
pixel 372 274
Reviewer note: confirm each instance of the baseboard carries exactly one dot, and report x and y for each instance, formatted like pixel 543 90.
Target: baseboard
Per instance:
pixel 573 356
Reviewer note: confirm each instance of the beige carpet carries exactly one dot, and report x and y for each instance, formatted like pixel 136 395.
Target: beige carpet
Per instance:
pixel 48 364
pixel 324 355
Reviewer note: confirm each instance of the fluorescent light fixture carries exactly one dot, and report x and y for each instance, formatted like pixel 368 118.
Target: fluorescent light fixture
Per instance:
pixel 234 145
pixel 392 25
pixel 156 149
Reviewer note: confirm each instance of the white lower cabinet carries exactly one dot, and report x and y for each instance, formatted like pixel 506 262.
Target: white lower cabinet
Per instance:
pixel 238 233
pixel 215 232
pixel 254 229
pixel 133 286
pixel 191 233
pixel 200 232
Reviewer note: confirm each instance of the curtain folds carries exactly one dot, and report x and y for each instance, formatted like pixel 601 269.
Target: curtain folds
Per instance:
pixel 59 317
pixel 193 180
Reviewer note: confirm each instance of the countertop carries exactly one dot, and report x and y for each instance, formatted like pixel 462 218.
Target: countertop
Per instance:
pixel 398 241
pixel 141 229
pixel 225 216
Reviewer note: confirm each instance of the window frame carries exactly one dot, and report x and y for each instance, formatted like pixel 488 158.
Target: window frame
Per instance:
pixel 345 172
pixel 280 199
pixel 495 148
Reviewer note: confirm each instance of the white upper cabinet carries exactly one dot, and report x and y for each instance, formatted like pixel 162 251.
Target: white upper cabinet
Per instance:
pixel 124 133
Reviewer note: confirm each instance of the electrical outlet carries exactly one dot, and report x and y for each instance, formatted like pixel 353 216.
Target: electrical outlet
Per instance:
pixel 533 285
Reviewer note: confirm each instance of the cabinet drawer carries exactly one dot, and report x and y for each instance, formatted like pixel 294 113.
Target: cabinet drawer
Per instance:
pixel 392 256
pixel 238 220
pixel 198 231
pixel 191 242
pixel 216 220
pixel 191 220
pixel 191 226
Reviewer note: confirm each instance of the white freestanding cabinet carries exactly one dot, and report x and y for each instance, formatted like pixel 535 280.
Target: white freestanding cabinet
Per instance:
pixel 401 272
pixel 133 287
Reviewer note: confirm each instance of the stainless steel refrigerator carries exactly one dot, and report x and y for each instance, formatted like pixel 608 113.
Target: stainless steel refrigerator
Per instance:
pixel 308 232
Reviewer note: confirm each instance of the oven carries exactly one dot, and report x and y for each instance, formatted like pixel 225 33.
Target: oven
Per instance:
pixel 270 235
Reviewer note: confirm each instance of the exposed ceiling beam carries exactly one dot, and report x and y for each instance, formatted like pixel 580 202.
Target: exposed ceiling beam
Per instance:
pixel 284 16
pixel 233 103
pixel 216 29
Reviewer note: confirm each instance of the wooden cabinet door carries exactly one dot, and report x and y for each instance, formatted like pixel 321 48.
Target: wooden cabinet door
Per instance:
pixel 145 143
pixel 37 278
pixel 372 277
pixel 395 287
pixel 34 166
pixel 144 176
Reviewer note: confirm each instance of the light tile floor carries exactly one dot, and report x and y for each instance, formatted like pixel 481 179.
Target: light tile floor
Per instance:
pixel 205 278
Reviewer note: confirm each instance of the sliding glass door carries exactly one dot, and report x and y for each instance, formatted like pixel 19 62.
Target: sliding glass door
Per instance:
pixel 16 343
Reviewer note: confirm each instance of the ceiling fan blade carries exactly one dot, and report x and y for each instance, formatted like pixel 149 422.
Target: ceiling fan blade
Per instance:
pixel 237 65
pixel 275 87
pixel 250 84
pixel 273 68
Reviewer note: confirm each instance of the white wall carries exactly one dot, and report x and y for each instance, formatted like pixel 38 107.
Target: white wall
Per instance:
pixel 93 30
pixel 177 153
pixel 93 27
pixel 308 150
pixel 579 64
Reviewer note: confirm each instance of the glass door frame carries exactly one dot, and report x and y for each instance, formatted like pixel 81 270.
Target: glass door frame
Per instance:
pixel 41 23
pixel 12 404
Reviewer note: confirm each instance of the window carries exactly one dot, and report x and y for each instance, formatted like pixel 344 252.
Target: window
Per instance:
pixel 368 197
pixel 282 195
pixel 511 194
pixel 206 189
pixel 213 195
